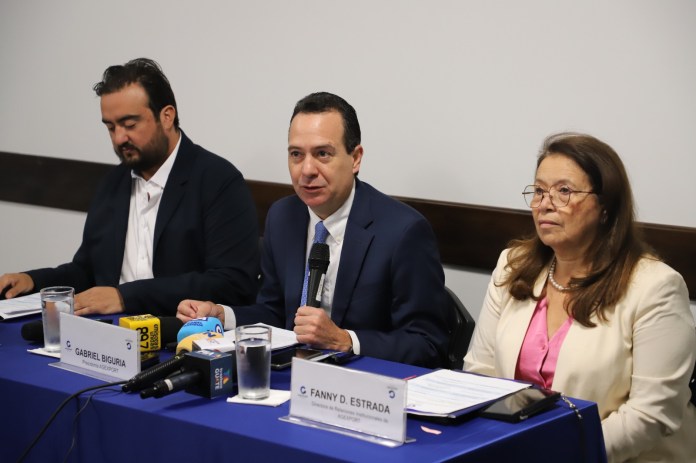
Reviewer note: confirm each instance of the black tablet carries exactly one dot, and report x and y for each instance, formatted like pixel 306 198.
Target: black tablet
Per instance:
pixel 521 405
pixel 283 358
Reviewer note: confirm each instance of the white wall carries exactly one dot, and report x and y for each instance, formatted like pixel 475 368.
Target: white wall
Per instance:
pixel 454 97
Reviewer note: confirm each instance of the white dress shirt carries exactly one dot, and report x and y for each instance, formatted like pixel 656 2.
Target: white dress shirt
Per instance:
pixel 145 199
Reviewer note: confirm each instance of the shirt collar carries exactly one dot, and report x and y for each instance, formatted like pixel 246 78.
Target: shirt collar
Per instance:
pixel 335 223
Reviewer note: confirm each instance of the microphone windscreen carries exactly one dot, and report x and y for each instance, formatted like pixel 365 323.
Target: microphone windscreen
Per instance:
pixel 148 328
pixel 217 370
pixel 33 331
pixel 170 327
pixel 199 325
pixel 319 256
pixel 186 344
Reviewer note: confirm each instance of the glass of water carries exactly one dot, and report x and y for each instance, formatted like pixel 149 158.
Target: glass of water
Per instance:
pixel 55 300
pixel 253 350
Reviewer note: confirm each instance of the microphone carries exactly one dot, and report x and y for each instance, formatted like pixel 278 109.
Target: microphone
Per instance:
pixel 155 332
pixel 174 365
pixel 318 264
pixel 33 331
pixel 186 344
pixel 205 373
pixel 172 384
pixel 148 377
pixel 199 325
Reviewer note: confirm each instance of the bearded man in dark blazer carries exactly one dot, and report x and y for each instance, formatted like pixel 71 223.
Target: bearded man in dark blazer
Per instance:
pixel 170 221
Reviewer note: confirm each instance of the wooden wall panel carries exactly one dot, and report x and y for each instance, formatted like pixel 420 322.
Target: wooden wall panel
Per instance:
pixel 469 236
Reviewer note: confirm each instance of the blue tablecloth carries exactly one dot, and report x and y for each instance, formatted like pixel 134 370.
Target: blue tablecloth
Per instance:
pixel 118 427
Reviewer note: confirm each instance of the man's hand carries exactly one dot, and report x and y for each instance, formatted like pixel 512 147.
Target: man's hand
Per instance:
pixel 99 300
pixel 16 284
pixel 314 327
pixel 189 309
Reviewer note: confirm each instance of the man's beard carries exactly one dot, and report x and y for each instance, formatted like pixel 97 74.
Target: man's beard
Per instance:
pixel 151 155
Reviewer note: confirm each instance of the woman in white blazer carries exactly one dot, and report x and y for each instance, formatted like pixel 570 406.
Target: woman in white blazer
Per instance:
pixel 583 307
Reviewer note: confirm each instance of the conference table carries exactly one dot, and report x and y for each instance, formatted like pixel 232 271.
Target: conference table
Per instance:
pixel 108 425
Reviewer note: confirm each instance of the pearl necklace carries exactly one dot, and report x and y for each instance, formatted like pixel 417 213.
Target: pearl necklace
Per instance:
pixel 553 281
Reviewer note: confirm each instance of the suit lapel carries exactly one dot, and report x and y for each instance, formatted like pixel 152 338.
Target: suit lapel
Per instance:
pixel 174 189
pixel 295 262
pixel 118 227
pixel 355 246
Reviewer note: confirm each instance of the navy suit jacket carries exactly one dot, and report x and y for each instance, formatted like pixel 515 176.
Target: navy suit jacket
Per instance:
pixel 390 283
pixel 205 243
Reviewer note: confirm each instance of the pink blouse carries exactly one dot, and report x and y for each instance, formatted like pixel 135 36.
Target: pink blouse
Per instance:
pixel 539 354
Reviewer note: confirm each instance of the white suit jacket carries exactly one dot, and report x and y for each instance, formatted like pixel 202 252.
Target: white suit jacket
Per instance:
pixel 636 366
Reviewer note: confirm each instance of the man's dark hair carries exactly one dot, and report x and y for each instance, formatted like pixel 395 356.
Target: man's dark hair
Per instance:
pixel 321 102
pixel 148 74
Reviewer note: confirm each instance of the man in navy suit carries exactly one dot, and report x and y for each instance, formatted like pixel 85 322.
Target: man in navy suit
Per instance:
pixel 171 221
pixel 384 292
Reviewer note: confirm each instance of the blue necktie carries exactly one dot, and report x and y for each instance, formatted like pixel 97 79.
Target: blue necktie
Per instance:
pixel 320 234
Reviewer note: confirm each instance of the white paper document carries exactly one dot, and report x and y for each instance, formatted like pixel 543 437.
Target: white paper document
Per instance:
pixel 20 306
pixel 280 338
pixel 445 392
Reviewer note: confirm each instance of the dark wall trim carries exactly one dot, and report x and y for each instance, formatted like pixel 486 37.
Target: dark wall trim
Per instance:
pixel 50 182
pixel 469 236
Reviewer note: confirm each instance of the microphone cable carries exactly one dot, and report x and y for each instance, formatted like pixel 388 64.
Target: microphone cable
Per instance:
pixel 57 411
pixel 73 441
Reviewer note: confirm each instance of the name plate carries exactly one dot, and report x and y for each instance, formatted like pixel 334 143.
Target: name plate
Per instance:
pixel 357 403
pixel 100 350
